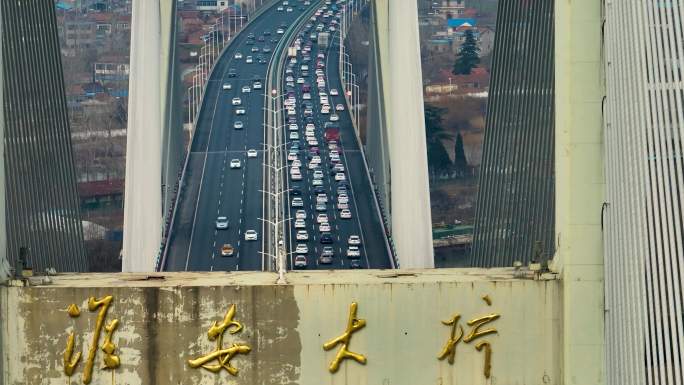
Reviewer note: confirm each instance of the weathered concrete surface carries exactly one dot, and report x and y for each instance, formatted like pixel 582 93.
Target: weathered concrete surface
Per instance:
pixel 164 322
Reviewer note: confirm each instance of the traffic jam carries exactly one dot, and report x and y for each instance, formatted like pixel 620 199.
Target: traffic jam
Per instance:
pixel 323 233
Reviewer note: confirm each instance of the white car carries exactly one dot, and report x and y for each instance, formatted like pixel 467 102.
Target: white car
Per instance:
pixel 251 153
pixel 300 261
pixel 238 55
pixel 324 228
pixel 236 101
pixel 339 107
pixel 325 111
pixel 342 206
pixel 317 182
pixel 353 251
pixel 310 126
pixel 345 214
pixel 334 92
pixel 300 224
pixel 354 240
pixel 251 235
pixel 300 214
pixel 297 202
pixel 316 159
pixel 257 85
pixel 321 198
pixel 294 135
pixel 318 174
pixel 293 127
pixel 289 9
pixel 280 9
pixel 314 165
pixel 301 248
pixel 280 31
pixel 246 89
pixel 302 235
pixel 249 60
pixel 238 125
pixel 227 86
pixel 296 163
pixel 322 218
pixel 221 223
pixel 240 111
pixel 235 163
pixel 321 207
pixel 334 118
pixel 306 96
pixel 343 198
pixel 292 156
pixel 296 177
pixel 339 177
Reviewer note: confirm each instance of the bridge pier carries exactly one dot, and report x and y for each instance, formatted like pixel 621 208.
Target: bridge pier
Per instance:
pixel 154 143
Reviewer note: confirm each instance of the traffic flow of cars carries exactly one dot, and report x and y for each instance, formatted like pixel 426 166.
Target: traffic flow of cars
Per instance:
pixel 323 232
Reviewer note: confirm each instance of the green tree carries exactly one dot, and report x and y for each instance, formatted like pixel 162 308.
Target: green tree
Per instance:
pixel 438 158
pixel 468 56
pixel 460 162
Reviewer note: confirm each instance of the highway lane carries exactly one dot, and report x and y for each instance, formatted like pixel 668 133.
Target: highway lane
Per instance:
pixel 365 221
pixel 212 188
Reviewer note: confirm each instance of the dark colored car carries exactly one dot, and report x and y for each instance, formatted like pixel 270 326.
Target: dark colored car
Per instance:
pixel 326 239
pixel 295 191
pixel 355 264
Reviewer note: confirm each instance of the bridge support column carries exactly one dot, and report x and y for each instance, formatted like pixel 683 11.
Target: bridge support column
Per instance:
pixel 396 32
pixel 580 188
pixel 154 146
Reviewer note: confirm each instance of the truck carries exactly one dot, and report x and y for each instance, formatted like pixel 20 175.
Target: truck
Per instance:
pixel 323 38
pixel 291 52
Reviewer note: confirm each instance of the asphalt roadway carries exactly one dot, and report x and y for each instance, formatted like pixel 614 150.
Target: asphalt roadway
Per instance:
pixel 212 188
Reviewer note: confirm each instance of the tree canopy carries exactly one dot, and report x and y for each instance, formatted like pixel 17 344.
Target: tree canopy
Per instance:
pixel 468 56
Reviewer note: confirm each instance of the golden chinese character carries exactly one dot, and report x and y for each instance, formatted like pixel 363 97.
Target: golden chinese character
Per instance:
pixel 111 361
pixel 222 355
pixel 353 325
pixel 449 349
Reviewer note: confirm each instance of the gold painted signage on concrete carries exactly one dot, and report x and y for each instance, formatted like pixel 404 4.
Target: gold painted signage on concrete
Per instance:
pixel 323 328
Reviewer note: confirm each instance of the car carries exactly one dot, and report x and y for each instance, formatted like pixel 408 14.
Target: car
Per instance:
pixel 261 39
pixel 257 85
pixel 252 153
pixel 291 156
pixel 326 239
pixel 325 111
pixel 313 165
pixel 296 163
pixel 294 136
pixel 289 9
pixel 302 235
pixel 255 49
pixel 232 73
pixel 266 49
pixel 318 174
pixel 280 31
pixel 339 107
pixel 227 86
pixel 342 206
pixel 238 125
pixel 354 240
pixel 301 248
pixel 300 261
pixel 345 214
pixel 297 202
pixel 235 163
pixel 353 252
pixel 248 89
pixel 334 118
pixel 221 223
pixel 340 177
pixel 321 207
pixel 300 214
pixel 322 218
pixel 334 92
pixel 300 80
pixel 296 177
pixel 280 9
pixel 300 224
pixel 321 198
pixel 236 101
pixel 238 55
pixel 240 111
pixel 343 198
pixel 355 264
pixel 325 260
pixel 293 127
pixel 249 60
pixel 295 191
pixel 251 235
pixel 324 227
pixel 317 182
pixel 227 250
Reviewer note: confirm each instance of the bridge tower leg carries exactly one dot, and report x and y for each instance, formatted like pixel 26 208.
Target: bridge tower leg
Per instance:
pixel 154 145
pixel 398 73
